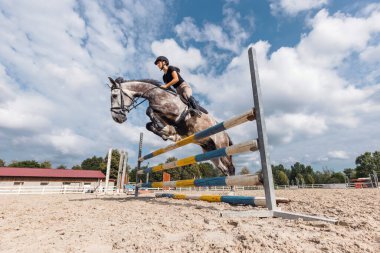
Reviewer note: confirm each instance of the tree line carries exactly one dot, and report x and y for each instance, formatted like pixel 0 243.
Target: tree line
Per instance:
pixel 295 175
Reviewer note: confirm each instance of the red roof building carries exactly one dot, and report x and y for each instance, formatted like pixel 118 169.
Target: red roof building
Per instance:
pixel 46 176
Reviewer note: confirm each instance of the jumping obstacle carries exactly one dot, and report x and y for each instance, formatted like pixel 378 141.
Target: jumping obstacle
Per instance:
pixel 235 121
pixel 233 200
pixel 261 145
pixel 242 180
pixel 226 151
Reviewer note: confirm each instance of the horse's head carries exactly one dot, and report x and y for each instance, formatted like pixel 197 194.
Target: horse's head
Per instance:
pixel 121 102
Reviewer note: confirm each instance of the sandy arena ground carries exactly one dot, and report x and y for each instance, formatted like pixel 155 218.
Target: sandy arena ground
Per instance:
pixel 90 223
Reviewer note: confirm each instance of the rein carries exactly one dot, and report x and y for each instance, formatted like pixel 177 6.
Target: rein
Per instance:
pixel 122 109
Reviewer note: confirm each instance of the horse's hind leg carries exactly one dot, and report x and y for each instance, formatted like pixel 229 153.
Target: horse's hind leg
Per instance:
pixel 224 164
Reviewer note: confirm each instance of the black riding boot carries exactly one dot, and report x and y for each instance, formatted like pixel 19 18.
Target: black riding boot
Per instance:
pixel 195 105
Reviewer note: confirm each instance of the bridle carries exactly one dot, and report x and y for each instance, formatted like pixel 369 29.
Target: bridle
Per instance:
pixel 123 108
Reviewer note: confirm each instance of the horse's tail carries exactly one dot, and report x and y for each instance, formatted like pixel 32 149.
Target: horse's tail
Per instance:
pixel 228 160
pixel 230 143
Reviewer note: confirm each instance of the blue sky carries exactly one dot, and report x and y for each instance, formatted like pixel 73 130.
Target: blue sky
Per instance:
pixel 318 63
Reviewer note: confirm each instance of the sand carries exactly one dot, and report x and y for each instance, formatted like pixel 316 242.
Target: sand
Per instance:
pixel 91 223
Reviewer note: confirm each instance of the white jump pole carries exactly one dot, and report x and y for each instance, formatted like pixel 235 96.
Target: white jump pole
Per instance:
pixel 125 172
pixel 119 171
pixel 108 170
pixel 125 160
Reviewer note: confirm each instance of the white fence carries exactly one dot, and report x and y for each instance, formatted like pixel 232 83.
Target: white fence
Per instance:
pixel 68 189
pixel 64 189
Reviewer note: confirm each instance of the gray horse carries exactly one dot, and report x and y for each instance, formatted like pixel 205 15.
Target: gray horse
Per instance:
pixel 169 115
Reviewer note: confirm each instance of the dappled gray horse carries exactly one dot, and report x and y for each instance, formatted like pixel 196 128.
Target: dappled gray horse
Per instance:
pixel 169 116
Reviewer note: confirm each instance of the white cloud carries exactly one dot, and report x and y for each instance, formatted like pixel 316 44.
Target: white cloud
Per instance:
pixel 55 58
pixel 6 91
pixel 52 73
pixel 305 95
pixel 286 126
pixel 371 54
pixel 338 154
pixel 190 58
pixel 293 7
pixel 334 38
pixel 228 36
pixel 21 113
pixel 67 142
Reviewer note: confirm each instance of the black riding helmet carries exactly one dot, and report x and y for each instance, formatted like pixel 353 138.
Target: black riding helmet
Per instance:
pixel 161 58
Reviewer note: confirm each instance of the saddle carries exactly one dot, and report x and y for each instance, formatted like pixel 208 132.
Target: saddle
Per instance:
pixel 193 112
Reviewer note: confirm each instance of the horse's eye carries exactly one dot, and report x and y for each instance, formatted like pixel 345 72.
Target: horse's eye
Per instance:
pixel 114 96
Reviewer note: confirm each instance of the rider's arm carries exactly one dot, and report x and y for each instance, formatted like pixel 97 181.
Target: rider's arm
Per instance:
pixel 174 81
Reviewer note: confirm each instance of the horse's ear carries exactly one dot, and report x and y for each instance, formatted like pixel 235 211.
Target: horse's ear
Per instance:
pixel 115 85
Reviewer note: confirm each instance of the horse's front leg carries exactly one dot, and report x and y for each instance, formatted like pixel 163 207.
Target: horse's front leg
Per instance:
pixel 160 128
pixel 158 124
pixel 151 127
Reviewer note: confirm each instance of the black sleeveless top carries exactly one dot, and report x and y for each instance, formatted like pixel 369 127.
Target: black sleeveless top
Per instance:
pixel 168 76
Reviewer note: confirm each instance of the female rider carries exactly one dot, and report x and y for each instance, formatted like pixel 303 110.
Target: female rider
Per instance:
pixel 172 77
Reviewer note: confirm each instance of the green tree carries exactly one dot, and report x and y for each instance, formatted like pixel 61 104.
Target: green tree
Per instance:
pixel 244 171
pixel 25 164
pixel 309 179
pixel 277 171
pixel 190 171
pixel 132 175
pixel 175 174
pixel 282 178
pixel 2 163
pixel 208 170
pixel 115 158
pixel 76 167
pixel 336 178
pixel 366 163
pixel 302 174
pixel 46 164
pixel 93 163
pixel 61 167
pixel 350 173
pixel 153 176
pixel 300 179
pixel 296 169
pixel 321 177
pixel 327 176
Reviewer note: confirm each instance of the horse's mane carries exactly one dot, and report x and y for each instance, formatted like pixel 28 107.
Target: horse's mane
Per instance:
pixel 156 83
pixel 151 81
